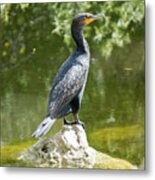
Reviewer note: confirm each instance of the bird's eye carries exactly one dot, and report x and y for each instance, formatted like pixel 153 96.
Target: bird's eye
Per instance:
pixel 86 17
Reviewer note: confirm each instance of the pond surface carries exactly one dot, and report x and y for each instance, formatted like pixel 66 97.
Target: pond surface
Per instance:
pixel 112 107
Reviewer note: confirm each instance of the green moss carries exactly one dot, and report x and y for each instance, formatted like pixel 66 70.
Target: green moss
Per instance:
pixel 10 153
pixel 122 142
pixel 123 133
pixel 103 161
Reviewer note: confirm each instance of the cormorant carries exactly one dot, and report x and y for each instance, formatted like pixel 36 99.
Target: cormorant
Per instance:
pixel 69 84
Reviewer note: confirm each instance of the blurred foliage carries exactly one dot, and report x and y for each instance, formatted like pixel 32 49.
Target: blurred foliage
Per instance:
pixel 49 21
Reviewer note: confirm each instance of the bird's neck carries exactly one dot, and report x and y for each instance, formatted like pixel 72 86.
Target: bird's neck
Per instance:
pixel 77 33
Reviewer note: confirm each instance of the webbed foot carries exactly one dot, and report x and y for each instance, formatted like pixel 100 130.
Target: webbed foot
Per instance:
pixel 74 122
pixel 80 123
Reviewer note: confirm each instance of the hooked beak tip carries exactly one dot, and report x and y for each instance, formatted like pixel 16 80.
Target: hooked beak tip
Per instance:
pixel 98 16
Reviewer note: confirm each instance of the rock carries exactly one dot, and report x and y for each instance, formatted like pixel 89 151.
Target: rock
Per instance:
pixel 69 149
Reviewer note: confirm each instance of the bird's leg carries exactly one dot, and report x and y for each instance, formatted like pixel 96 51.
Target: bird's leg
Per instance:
pixel 77 121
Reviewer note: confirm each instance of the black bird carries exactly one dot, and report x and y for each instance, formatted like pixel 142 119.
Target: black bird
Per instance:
pixel 69 84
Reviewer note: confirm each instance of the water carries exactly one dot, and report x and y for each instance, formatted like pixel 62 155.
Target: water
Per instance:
pixel 112 107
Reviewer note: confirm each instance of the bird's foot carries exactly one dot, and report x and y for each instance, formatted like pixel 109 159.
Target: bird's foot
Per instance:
pixel 80 123
pixel 74 122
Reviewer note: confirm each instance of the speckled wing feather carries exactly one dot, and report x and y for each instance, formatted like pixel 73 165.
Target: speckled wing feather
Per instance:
pixel 66 89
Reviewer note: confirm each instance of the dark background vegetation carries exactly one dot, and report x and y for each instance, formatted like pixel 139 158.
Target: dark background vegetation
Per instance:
pixel 35 40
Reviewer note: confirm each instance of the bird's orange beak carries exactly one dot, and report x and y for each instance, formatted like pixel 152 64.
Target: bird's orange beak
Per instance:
pixel 93 18
pixel 89 20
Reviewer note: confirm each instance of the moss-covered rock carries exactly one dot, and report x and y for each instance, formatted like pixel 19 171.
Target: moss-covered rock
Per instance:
pixel 10 153
pixel 104 161
pixel 67 149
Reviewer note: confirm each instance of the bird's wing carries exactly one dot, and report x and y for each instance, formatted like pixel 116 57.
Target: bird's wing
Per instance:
pixel 64 68
pixel 62 71
pixel 64 91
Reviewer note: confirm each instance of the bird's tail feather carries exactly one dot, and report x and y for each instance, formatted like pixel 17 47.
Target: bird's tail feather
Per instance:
pixel 44 127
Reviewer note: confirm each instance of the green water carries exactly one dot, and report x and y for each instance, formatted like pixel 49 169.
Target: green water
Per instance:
pixel 112 107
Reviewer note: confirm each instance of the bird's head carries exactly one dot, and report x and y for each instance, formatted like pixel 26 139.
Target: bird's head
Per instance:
pixel 85 18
